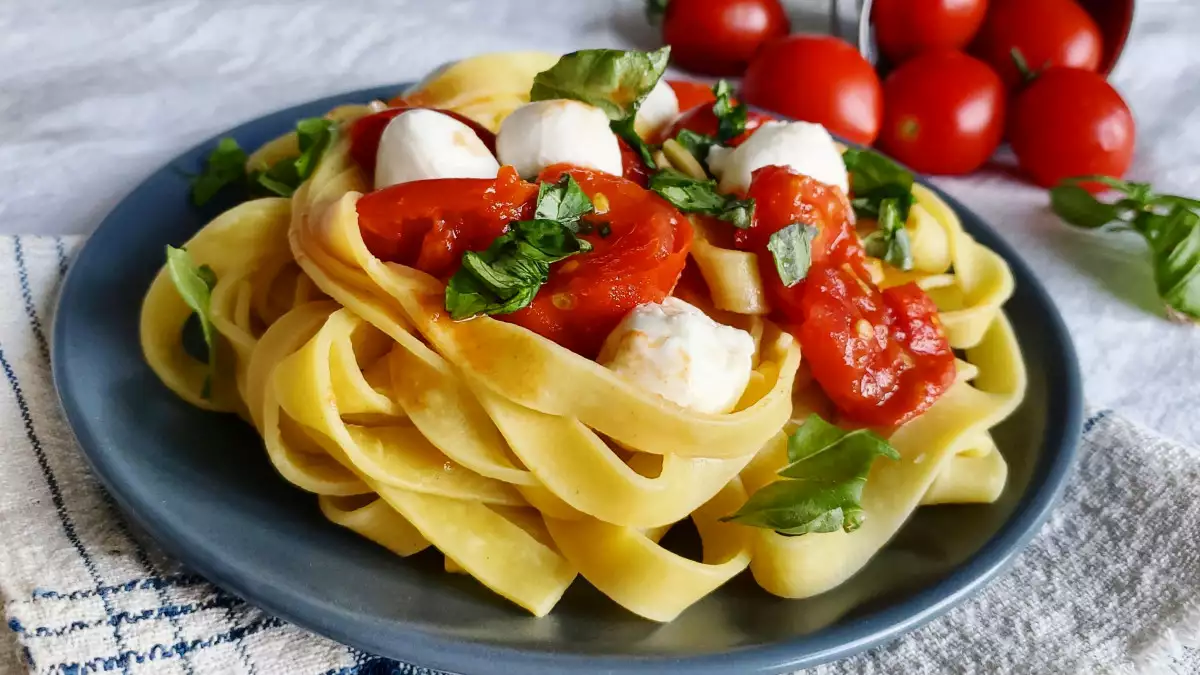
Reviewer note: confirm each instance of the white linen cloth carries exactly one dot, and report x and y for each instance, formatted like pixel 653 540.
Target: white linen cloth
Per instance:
pixel 95 96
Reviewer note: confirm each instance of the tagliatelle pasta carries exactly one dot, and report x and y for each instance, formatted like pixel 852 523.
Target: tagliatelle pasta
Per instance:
pixel 525 464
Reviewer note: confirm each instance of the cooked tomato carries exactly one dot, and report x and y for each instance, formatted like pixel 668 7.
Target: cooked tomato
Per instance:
pixel 719 37
pixel 702 120
pixel 944 113
pixel 817 78
pixel 366 132
pixel 1046 32
pixel 691 94
pixel 429 224
pixel 639 244
pixel 633 167
pixel 1070 122
pixel 905 28
pixel 639 261
pixel 882 357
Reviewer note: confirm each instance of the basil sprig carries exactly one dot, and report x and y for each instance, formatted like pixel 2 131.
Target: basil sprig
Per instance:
pixel 613 80
pixel 883 191
pixel 1170 225
pixel 694 195
pixel 226 165
pixel 194 283
pixel 508 274
pixel 823 481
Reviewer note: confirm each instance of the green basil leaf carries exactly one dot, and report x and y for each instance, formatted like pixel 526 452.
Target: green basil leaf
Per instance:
pixel 890 242
pixel 1174 240
pixel 871 172
pixel 624 128
pixel 613 80
pixel 1078 207
pixel 564 200
pixel 194 285
pixel 697 144
pixel 315 135
pixel 226 165
pixel 822 485
pixel 791 247
pixel 693 195
pixel 731 118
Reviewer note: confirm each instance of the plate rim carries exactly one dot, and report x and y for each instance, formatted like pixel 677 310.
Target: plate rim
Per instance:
pixel 430 650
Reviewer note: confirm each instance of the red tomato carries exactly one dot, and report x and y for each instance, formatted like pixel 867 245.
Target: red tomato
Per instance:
pixel 691 94
pixel 366 132
pixel 944 113
pixel 1046 32
pixel 882 357
pixel 1070 122
pixel 719 37
pixel 817 78
pixel 905 28
pixel 633 167
pixel 702 120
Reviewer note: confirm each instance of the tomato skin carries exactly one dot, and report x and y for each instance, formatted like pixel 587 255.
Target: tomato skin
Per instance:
pixel 366 132
pixel 1071 122
pixel 817 78
pixel 905 28
pixel 702 120
pixel 944 113
pixel 1047 33
pixel 691 94
pixel 633 167
pixel 719 37
pixel 882 357
pixel 640 261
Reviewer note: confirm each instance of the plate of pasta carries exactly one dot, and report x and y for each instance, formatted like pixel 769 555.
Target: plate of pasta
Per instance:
pixel 552 364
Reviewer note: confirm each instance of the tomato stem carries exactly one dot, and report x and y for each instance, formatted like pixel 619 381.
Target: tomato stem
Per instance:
pixel 1027 74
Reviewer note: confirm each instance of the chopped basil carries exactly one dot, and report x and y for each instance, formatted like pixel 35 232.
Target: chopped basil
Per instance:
pixel 226 165
pixel 194 285
pixel 697 144
pixel 564 201
pixel 883 191
pixel 731 118
pixel 889 242
pixel 693 195
pixel 791 247
pixel 823 481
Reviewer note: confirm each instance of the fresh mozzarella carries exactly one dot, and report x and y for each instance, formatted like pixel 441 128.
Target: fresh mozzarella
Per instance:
pixel 421 144
pixel 802 146
pixel 539 134
pixel 676 351
pixel 659 108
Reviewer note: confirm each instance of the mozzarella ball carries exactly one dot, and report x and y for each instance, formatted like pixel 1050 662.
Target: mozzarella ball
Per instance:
pixel 539 134
pixel 676 351
pixel 804 147
pixel 422 144
pixel 659 108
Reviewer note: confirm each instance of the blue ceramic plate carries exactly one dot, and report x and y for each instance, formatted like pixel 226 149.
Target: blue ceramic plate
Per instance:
pixel 201 485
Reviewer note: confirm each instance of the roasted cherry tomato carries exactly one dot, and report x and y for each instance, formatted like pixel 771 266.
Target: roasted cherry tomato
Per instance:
pixel 691 94
pixel 944 113
pixel 633 167
pixel 702 120
pixel 638 261
pixel 429 224
pixel 817 78
pixel 719 37
pixel 1045 32
pixel 366 132
pixel 882 357
pixel 1070 122
pixel 905 28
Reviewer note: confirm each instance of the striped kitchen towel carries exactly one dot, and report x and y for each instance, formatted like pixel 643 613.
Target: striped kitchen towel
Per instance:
pixel 1109 585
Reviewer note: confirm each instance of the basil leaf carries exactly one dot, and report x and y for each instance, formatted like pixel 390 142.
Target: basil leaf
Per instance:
pixel 624 128
pixel 693 195
pixel 226 165
pixel 507 275
pixel 890 242
pixel 1174 240
pixel 791 247
pixel 1078 207
pixel 871 171
pixel 564 200
pixel 194 285
pixel 315 135
pixel 731 118
pixel 822 485
pixel 613 80
pixel 697 144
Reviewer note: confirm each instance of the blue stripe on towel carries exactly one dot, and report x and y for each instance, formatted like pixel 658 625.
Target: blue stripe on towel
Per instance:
pixel 1095 419
pixel 181 579
pixel 220 601
pixel 61 250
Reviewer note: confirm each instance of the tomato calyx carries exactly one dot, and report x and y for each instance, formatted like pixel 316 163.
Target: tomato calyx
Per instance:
pixel 1027 74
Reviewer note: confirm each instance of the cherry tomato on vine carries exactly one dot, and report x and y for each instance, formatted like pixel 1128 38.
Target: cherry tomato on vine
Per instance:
pixel 817 78
pixel 905 28
pixel 1070 122
pixel 943 113
pixel 1046 32
pixel 719 37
